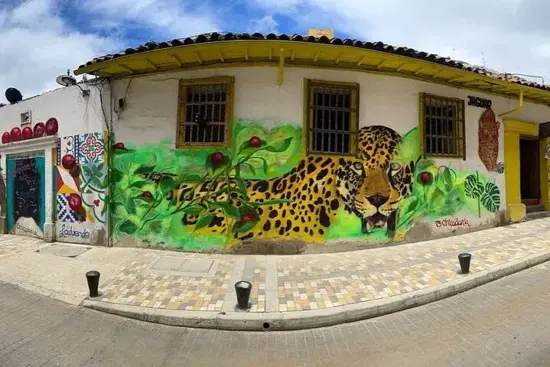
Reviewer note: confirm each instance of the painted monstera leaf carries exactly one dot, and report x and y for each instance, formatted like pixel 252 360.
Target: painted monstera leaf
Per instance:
pixel 491 197
pixel 472 187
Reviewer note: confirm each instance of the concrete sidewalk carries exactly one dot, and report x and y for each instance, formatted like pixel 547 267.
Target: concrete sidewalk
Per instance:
pixel 289 292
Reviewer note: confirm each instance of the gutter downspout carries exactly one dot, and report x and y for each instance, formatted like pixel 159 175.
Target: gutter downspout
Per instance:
pixel 519 107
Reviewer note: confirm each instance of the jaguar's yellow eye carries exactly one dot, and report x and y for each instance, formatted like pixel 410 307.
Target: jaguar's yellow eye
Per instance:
pixel 395 166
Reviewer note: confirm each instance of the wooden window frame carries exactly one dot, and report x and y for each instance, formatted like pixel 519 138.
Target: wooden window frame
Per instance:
pixel 182 105
pixel 460 125
pixel 309 84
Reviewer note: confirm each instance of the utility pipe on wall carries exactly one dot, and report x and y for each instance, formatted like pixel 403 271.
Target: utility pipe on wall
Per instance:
pixel 519 107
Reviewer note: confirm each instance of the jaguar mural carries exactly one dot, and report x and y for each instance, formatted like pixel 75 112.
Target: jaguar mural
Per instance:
pixel 265 187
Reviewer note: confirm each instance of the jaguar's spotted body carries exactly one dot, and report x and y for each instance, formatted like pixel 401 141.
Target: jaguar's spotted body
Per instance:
pixel 370 186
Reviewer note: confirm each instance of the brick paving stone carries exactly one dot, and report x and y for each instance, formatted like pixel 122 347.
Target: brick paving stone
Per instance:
pixel 306 282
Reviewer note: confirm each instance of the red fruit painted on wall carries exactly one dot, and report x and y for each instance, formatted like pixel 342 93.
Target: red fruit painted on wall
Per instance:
pixel 15 134
pixel 217 158
pixel 68 161
pixel 147 194
pixel 52 127
pixel 6 137
pixel 119 145
pixel 248 217
pixel 426 177
pixel 75 202
pixel 254 142
pixel 26 133
pixel 39 130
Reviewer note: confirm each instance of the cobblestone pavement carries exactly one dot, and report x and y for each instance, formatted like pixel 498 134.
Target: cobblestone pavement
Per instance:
pixel 198 282
pixel 503 323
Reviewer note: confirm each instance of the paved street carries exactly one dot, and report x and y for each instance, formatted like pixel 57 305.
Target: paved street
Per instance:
pixel 503 323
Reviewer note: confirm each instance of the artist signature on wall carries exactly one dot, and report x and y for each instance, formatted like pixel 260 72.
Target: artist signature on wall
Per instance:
pixel 452 223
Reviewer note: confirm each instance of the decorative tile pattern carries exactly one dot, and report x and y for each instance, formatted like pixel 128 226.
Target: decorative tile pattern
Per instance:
pixel 67 145
pixel 64 212
pixel 66 183
pixel 91 148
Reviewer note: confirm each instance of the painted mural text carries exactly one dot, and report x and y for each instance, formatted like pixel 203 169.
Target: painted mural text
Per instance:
pixel 67 231
pixel 479 102
pixel 452 223
pixel 25 229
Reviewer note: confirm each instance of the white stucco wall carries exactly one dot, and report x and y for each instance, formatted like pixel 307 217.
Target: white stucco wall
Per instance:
pixel 150 112
pixel 76 114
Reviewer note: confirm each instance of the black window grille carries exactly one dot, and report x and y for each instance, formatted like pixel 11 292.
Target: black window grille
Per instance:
pixel 332 118
pixel 443 126
pixel 204 111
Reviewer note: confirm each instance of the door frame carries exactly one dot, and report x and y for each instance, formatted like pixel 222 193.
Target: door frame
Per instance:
pixel 513 131
pixel 48 146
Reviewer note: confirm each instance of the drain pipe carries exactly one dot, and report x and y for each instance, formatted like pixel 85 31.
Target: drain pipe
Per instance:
pixel 519 107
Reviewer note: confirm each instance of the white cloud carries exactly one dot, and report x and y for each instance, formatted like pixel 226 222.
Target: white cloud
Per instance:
pixel 37 47
pixel 169 18
pixel 265 24
pixel 513 35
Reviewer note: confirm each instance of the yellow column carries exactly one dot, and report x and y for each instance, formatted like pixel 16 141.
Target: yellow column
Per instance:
pixel 515 209
pixel 544 177
pixel 512 131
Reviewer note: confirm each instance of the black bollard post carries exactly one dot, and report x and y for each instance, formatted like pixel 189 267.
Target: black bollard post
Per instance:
pixel 243 288
pixel 464 260
pixel 93 282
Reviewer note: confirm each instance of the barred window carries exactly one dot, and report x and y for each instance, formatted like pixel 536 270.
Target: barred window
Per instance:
pixel 332 117
pixel 204 111
pixel 443 126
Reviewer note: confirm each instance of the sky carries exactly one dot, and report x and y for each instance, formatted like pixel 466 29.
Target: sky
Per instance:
pixel 41 39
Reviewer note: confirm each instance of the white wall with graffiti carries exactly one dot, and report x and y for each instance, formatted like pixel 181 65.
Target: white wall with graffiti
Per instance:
pixel 61 133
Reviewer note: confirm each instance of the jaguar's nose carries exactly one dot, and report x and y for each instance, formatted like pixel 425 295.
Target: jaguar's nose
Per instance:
pixel 378 200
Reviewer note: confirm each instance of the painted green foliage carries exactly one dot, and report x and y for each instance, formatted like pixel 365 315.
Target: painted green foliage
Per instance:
pixel 138 202
pixel 144 177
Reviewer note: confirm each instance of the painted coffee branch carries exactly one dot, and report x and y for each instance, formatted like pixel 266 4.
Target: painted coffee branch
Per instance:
pixel 254 143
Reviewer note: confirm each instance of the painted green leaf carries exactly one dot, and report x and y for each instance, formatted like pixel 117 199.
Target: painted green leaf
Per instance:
pixel 105 182
pixel 193 210
pixel 269 202
pixel 228 209
pixel 445 179
pixel 424 165
pixel 167 184
pixel 127 227
pixel 116 175
pixel 144 169
pixel 250 167
pixel 280 145
pixel 95 182
pixel 139 184
pixel 491 197
pixel 265 165
pixel 130 206
pixel 242 187
pixel 156 226
pixel 87 171
pixel 244 227
pixel 106 205
pixel 246 149
pixel 204 221
pixel 145 198
pixel 437 199
pixel 472 187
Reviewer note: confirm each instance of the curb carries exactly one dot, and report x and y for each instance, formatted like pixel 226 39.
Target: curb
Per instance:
pixel 296 320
